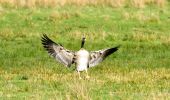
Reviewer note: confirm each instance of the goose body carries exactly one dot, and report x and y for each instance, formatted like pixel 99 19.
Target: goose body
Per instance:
pixel 83 59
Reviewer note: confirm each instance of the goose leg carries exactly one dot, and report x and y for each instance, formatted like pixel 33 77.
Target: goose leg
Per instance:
pixel 79 75
pixel 87 76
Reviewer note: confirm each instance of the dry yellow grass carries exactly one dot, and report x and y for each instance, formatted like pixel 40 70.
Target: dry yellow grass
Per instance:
pixel 80 89
pixel 54 3
pixel 142 16
pixel 153 36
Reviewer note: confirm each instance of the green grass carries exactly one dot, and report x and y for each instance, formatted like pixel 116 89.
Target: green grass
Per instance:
pixel 139 70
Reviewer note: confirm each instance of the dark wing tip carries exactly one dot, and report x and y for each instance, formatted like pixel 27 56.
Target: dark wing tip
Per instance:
pixel 110 51
pixel 46 40
pixel 116 48
pixel 48 43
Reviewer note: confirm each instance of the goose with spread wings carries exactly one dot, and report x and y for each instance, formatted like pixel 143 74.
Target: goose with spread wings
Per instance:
pixel 83 59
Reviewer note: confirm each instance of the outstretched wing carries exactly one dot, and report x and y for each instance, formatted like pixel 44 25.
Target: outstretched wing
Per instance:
pixel 98 56
pixel 56 50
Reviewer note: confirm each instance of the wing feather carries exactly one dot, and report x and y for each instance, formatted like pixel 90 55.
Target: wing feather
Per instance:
pixel 56 50
pixel 98 56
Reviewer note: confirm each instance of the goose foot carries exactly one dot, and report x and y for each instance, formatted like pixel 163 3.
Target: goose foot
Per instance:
pixel 79 75
pixel 87 77
pixel 80 78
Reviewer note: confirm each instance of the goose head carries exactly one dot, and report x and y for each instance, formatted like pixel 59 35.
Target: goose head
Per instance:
pixel 83 41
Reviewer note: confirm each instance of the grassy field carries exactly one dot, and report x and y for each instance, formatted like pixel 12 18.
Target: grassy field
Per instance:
pixel 140 70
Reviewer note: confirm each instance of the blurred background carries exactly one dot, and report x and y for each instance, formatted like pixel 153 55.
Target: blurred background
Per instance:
pixel 139 70
pixel 111 3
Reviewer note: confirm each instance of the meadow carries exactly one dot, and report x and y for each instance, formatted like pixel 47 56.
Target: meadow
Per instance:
pixel 139 70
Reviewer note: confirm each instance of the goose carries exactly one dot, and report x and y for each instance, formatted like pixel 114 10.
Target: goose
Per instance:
pixel 83 59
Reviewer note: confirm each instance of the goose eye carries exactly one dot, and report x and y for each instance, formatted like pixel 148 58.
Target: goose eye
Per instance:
pixel 68 51
pixel 61 48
